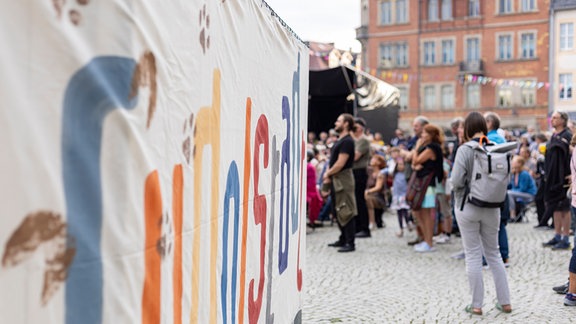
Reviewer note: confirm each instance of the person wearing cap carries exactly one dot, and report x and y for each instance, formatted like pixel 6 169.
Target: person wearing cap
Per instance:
pixel 361 160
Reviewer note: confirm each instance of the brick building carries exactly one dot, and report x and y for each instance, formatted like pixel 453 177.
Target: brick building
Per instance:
pixel 563 55
pixel 449 57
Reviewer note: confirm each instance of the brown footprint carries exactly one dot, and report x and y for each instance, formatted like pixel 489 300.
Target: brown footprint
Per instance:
pixel 188 124
pixel 205 24
pixel 164 244
pixel 42 228
pixel 145 76
pixel 73 14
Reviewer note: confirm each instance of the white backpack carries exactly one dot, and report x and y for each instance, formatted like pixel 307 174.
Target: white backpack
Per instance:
pixel 490 174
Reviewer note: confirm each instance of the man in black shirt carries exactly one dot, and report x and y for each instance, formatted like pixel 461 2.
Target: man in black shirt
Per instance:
pixel 339 180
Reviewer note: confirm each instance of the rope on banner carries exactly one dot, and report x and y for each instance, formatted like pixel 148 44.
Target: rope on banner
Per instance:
pixel 283 23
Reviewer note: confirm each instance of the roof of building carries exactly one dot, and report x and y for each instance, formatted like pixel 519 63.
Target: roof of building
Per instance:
pixel 563 4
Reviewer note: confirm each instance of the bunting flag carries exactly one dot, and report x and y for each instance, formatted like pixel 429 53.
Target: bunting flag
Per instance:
pixel 398 77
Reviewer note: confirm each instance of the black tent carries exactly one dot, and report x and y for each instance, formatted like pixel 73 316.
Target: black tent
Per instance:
pixel 345 89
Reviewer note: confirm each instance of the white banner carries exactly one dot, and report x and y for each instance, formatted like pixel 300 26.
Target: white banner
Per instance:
pixel 152 162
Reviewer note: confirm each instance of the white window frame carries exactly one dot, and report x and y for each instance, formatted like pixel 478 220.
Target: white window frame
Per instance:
pixel 467 94
pixel 401 52
pixel 386 48
pixel 528 5
pixel 446 10
pixel 473 8
pixel 384 13
pixel 404 99
pixel 429 52
pixel 402 11
pixel 467 55
pixel 433 10
pixel 566 36
pixel 528 92
pixel 565 85
pixel 521 44
pixel 447 99
pixel 429 95
pixel 451 52
pixel 504 96
pixel 504 7
pixel 499 37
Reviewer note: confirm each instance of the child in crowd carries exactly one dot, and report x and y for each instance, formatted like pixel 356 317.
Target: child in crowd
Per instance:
pixel 399 189
pixel 374 193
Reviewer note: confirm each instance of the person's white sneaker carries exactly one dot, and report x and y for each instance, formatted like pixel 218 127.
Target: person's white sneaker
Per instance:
pixel 423 248
pixel 459 255
pixel 442 239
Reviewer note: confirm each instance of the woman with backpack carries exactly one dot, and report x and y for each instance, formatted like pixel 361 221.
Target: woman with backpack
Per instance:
pixel 427 161
pixel 479 226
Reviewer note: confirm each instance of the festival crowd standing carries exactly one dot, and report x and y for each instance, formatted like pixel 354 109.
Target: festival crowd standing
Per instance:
pixel 542 162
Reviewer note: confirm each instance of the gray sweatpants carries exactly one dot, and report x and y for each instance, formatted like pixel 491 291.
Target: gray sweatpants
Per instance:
pixel 479 229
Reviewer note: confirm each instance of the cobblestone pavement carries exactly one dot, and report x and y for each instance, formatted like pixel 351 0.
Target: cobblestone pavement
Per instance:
pixel 385 281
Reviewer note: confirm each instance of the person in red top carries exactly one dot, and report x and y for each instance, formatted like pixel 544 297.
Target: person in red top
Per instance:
pixel 313 200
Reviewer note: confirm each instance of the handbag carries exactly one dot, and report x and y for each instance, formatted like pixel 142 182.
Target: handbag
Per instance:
pixel 417 190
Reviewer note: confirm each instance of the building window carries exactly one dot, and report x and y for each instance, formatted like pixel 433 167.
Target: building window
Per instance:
pixel 504 96
pixel 386 13
pixel 473 50
pixel 447 51
pixel 565 86
pixel 473 96
pixel 528 5
pixel 505 47
pixel 566 36
pixel 402 54
pixel 447 96
pixel 446 9
pixel 429 97
pixel 528 95
pixel 429 53
pixel 528 44
pixel 403 98
pixel 433 10
pixel 505 6
pixel 386 55
pixel 473 8
pixel 401 11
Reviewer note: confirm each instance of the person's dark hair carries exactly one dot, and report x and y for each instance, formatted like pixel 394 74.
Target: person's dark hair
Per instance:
pixel 361 121
pixel 456 122
pixel 309 155
pixel 493 118
pixel 436 134
pixel 564 116
pixel 474 123
pixel 422 120
pixel 541 137
pixel 381 161
pixel 348 119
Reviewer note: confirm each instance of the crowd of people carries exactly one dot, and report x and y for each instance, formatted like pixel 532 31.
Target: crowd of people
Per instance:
pixel 354 177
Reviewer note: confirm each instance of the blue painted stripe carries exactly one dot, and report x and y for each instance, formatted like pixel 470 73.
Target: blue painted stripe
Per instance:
pixel 100 87
pixel 232 192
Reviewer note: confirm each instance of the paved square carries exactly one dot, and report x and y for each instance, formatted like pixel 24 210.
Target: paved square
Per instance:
pixel 385 281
